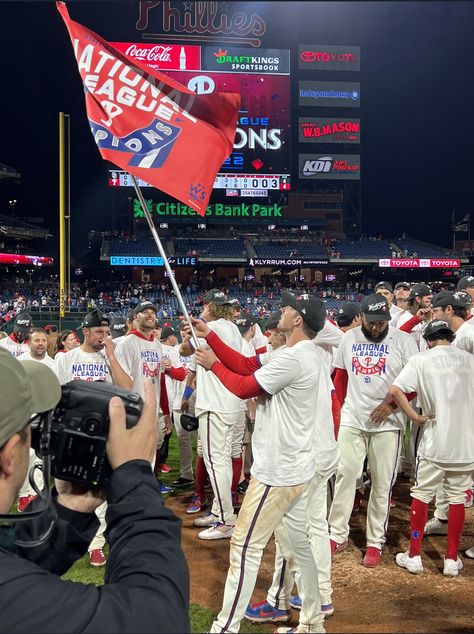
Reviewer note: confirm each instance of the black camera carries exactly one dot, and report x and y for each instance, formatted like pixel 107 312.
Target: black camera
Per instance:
pixel 79 429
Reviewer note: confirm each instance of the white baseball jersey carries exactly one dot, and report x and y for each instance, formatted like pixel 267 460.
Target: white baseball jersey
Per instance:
pixel 13 347
pixel 211 395
pixel 325 444
pixel 395 312
pixel 141 358
pixel 258 340
pixel 282 442
pixel 328 340
pixel 173 387
pixel 443 378
pixel 118 340
pixel 417 331
pixel 465 337
pixel 77 364
pixel 26 356
pixel 371 368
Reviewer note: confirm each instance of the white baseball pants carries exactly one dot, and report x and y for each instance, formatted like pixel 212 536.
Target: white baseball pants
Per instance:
pixel 185 444
pixel 382 450
pixel 265 510
pixel 238 434
pixel 453 478
pixel 99 538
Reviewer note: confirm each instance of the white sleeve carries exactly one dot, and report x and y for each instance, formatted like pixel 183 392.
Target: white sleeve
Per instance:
pixel 407 380
pixel 59 369
pixel 280 372
pixel 339 359
pixel 465 343
pixel 330 335
pixel 124 356
pixel 410 348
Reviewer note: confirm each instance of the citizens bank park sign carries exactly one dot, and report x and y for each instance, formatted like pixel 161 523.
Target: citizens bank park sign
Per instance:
pixel 407 263
pixel 214 210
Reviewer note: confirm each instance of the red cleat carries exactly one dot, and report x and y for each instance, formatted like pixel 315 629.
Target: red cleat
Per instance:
pixel 373 557
pixel 165 469
pixel 97 557
pixel 23 502
pixel 337 548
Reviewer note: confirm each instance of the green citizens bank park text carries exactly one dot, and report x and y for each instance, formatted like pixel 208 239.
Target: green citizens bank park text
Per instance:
pixel 216 209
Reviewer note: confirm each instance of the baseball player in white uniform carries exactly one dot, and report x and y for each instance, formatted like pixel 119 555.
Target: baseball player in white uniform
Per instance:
pixel 443 378
pixel 385 289
pixel 368 360
pixel 284 460
pixel 466 283
pixel 16 343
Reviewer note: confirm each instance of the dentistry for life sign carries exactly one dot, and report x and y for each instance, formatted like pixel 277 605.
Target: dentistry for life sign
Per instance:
pixel 409 263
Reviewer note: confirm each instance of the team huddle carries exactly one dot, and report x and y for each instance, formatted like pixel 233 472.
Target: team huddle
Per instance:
pixel 313 409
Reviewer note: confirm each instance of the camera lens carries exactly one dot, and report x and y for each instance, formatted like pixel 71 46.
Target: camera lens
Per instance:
pixel 92 426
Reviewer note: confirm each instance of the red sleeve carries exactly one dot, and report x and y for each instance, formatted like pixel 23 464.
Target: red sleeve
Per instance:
pixel 410 324
pixel 164 404
pixel 235 361
pixel 242 386
pixel 340 380
pixel 179 374
pixel 261 350
pixel 336 413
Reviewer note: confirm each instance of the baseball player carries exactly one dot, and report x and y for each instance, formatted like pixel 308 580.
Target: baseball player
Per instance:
pixel 16 342
pixel 401 295
pixel 443 378
pixel 348 316
pixel 368 360
pixel 386 289
pixel 466 283
pixel 284 459
pixel 118 329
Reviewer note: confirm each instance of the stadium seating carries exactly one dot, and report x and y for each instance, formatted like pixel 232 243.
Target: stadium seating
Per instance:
pixel 211 248
pixel 362 249
pixel 410 247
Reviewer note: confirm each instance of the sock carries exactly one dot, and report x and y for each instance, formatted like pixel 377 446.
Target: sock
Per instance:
pixel 201 477
pixel 236 471
pixel 418 517
pixel 455 526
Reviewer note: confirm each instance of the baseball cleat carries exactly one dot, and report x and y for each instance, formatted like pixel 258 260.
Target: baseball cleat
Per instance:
pixel 436 527
pixel 206 520
pixel 451 567
pixel 263 612
pixel 469 499
pixel 97 557
pixel 372 558
pixel 470 552
pixel 197 504
pixel 295 630
pixel 295 602
pixel 412 564
pixel 217 531
pixel 337 548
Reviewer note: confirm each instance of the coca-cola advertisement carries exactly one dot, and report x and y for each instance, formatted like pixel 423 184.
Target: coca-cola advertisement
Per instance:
pixel 162 56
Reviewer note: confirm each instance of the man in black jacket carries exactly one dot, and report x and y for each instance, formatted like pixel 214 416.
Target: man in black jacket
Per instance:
pixel 146 578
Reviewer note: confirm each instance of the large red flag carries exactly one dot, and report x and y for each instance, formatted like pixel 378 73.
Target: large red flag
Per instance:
pixel 149 124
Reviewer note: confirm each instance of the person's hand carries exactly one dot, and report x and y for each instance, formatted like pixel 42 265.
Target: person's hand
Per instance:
pixel 380 413
pixel 205 358
pixel 421 419
pixel 138 443
pixel 109 347
pixel 168 424
pixel 167 365
pixel 185 405
pixel 78 497
pixel 200 327
pixel 424 314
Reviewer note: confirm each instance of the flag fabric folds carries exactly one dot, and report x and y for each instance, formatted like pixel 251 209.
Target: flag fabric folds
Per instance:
pixel 150 125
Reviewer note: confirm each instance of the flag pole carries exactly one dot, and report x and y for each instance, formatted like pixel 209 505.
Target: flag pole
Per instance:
pixel 161 250
pixel 62 228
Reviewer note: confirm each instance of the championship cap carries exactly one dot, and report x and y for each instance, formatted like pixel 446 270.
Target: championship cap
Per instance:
pixel 404 285
pixel 95 319
pixel 215 296
pixel 166 332
pixel 234 302
pixel 23 323
pixel 273 319
pixel 375 308
pixel 143 306
pixel 244 323
pixel 448 298
pixel 311 308
pixel 465 282
pixel 386 285
pixel 346 313
pixel 118 327
pixel 436 326
pixel 419 290
pixel 27 388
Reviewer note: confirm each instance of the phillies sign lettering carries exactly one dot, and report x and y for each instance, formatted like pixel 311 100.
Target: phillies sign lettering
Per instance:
pixel 407 263
pixel 326 57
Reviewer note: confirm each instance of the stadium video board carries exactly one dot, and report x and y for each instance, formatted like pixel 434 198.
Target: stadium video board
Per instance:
pixel 261 158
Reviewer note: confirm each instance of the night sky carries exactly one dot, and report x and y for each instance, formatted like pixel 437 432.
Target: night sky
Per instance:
pixel 417 70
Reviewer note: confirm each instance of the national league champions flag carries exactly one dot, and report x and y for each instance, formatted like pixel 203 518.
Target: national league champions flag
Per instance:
pixel 150 125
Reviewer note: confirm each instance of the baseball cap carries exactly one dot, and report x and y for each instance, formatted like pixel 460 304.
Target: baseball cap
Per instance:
pixel 27 388
pixel 346 313
pixel 130 315
pixel 95 319
pixel 273 319
pixel 386 285
pixel 166 332
pixel 244 323
pixel 118 327
pixel 22 323
pixel 465 282
pixel 311 308
pixel 448 298
pixel 435 326
pixel 234 302
pixel 215 296
pixel 143 306
pixel 375 308
pixel 420 290
pixel 405 285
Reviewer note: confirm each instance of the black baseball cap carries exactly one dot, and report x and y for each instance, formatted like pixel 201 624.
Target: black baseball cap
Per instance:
pixel 273 319
pixel 375 308
pixel 143 306
pixel 95 319
pixel 244 323
pixel 118 327
pixel 465 282
pixel 420 290
pixel 448 298
pixel 234 302
pixel 311 308
pixel 166 332
pixel 23 323
pixel 346 313
pixel 386 285
pixel 215 296
pixel 402 285
pixel 130 315
pixel 436 326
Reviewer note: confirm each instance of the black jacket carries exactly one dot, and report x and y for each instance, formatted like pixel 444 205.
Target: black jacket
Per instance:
pixel 146 578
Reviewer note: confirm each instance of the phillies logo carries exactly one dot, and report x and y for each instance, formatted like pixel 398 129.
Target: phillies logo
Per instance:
pixel 358 368
pixel 147 371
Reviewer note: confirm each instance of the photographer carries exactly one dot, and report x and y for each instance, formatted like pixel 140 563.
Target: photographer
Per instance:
pixel 146 580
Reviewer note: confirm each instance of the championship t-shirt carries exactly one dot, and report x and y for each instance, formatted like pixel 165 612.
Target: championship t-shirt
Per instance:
pixel 79 365
pixel 173 387
pixel 328 340
pixel 26 356
pixel 465 337
pixel 211 395
pixel 13 347
pixel 283 438
pixel 443 379
pixel 372 368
